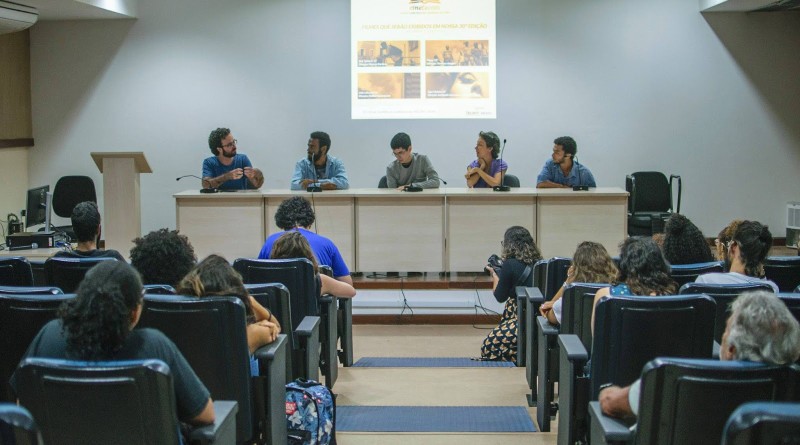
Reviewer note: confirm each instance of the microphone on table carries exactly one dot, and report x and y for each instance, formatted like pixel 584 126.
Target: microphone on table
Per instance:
pixel 580 187
pixel 502 187
pixel 28 246
pixel 202 190
pixel 314 187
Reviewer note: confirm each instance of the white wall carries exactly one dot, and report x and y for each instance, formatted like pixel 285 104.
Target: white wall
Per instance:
pixel 640 85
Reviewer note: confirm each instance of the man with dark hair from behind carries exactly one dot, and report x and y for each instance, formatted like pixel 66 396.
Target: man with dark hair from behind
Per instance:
pixel 759 329
pixel 744 257
pixel 296 214
pixel 163 257
pixel 319 168
pixel 409 169
pixel 86 225
pixel 563 171
pixel 226 169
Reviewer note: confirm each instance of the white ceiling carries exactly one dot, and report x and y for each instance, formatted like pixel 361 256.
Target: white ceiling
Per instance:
pixel 77 9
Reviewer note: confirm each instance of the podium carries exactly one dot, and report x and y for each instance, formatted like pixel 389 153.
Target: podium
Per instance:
pixel 122 214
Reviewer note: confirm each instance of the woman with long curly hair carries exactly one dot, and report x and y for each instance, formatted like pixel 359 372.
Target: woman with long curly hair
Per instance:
pixel 590 264
pixel 98 324
pixel 642 271
pixel 519 254
pixel 684 243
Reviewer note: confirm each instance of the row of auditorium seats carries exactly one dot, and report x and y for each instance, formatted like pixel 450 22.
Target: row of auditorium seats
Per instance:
pixel 539 341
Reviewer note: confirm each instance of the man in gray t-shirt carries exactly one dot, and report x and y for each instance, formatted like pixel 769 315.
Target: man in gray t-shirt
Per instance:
pixel 409 169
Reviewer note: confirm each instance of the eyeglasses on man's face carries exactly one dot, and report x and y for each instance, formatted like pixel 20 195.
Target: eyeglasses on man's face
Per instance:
pixel 230 145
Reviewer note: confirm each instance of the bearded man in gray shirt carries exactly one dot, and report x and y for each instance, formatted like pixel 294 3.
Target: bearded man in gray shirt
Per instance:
pixel 409 169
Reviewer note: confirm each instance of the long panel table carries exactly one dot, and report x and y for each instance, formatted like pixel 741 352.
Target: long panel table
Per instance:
pixel 383 230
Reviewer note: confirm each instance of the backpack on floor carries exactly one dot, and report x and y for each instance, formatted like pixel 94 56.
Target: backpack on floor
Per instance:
pixel 310 413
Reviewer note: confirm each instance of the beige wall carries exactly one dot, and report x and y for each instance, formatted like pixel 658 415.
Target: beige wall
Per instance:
pixel 15 119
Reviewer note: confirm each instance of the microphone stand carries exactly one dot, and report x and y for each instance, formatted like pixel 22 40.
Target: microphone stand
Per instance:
pixel 202 190
pixel 580 187
pixel 502 187
pixel 314 188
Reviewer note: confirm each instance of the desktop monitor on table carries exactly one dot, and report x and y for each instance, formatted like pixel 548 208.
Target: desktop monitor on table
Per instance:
pixel 37 208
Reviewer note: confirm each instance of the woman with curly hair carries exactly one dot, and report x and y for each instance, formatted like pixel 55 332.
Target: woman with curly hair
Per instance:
pixel 642 271
pixel 214 276
pixel 519 254
pixel 590 264
pixel 684 243
pixel 98 324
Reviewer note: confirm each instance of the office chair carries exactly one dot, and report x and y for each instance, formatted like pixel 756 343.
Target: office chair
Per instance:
pixel 382 183
pixel 511 181
pixel 17 426
pixel 650 202
pixel 15 271
pixel 69 192
pixel 763 423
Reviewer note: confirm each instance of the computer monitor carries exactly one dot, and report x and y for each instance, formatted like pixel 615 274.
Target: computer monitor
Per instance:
pixel 37 207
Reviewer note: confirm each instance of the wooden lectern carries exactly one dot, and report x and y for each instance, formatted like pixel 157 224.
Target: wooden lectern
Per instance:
pixel 122 214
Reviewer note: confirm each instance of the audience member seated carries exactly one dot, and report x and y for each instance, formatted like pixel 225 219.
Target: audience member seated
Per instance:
pixel 519 254
pixel 744 256
pixel 163 257
pixel 725 235
pixel 214 276
pixel 590 264
pixel 642 271
pixel 297 214
pixel 86 225
pixel 98 324
pixel 684 243
pixel 295 245
pixel 759 329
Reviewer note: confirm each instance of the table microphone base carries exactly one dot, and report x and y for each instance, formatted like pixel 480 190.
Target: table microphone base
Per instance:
pixel 209 190
pixel 580 188
pixel 313 189
pixel 501 188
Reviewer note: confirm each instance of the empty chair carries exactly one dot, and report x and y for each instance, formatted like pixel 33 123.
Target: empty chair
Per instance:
pixel 687 273
pixel 382 183
pixel 15 271
pixel 723 294
pixel 21 318
pixel 17 426
pixel 30 290
pixel 81 402
pixel 784 271
pixel 688 401
pixel 628 333
pixel 69 192
pixel 650 201
pixel 511 180
pixel 211 334
pixel 67 273
pixel 763 423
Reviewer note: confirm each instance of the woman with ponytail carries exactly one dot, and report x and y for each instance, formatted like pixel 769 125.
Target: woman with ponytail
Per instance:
pixel 98 324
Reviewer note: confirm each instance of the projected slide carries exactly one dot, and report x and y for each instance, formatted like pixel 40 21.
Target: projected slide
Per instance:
pixel 423 59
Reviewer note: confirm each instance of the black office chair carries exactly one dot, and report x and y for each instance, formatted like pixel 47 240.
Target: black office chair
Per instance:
pixel 211 334
pixel 576 316
pixel 67 273
pixel 723 294
pixel 629 332
pixel 30 290
pixel 511 181
pixel 382 183
pixel 689 401
pixel 650 201
pixel 298 276
pixel 687 273
pixel 17 426
pixel 111 402
pixel 69 192
pixel 21 318
pixel 763 423
pixel 784 271
pixel 15 271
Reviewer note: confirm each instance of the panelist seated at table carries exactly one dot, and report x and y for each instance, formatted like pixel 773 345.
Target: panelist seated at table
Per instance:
pixel 318 168
pixel 487 170
pixel 563 170
pixel 409 169
pixel 86 225
pixel 228 170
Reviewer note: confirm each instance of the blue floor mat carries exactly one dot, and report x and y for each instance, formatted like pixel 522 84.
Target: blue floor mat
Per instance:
pixel 428 419
pixel 428 362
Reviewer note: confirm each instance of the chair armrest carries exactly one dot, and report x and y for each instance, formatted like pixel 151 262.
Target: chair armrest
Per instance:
pixel 572 347
pixel 546 328
pixel 523 334
pixel 223 430
pixel 268 353
pixel 607 430
pixel 346 309
pixel 329 357
pixel 308 334
pixel 533 293
pixel 269 389
pixel 308 326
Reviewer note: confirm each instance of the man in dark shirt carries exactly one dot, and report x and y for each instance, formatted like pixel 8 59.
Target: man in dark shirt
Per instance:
pixel 228 170
pixel 86 225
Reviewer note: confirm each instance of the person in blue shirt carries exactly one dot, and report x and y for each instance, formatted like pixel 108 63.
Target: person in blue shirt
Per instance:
pixel 563 171
pixel 318 168
pixel 296 214
pixel 228 170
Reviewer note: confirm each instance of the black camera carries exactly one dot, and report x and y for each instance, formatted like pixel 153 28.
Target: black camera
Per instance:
pixel 495 262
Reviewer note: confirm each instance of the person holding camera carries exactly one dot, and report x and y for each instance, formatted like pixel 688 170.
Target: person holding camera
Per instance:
pixel 513 268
